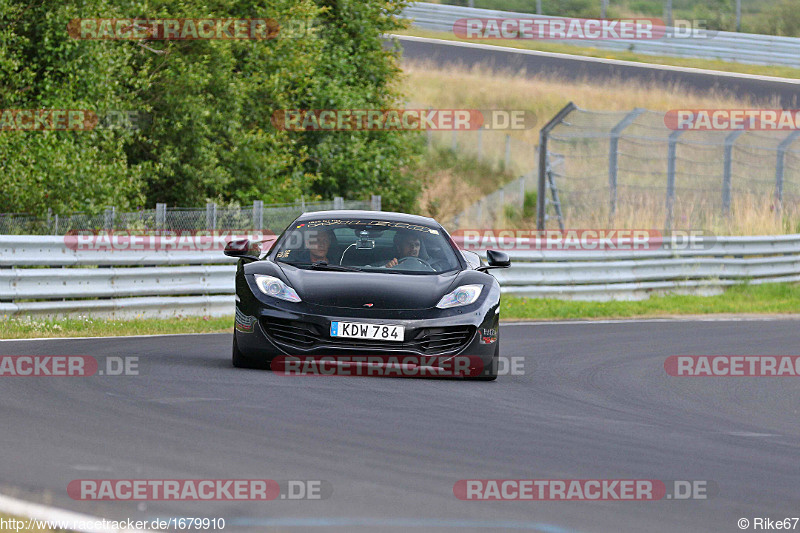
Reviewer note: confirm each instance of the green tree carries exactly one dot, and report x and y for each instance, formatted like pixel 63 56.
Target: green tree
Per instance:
pixel 210 101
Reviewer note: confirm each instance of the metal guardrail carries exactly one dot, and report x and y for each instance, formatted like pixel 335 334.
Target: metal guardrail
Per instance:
pixel 727 46
pixel 705 268
pixel 111 284
pixel 107 284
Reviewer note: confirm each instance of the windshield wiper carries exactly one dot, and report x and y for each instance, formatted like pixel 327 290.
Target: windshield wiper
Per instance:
pixel 323 265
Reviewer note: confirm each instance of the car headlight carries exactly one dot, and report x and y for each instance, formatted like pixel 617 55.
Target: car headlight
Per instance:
pixel 276 288
pixel 464 295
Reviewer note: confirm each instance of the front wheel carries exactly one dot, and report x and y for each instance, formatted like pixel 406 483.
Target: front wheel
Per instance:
pixel 239 360
pixel 490 373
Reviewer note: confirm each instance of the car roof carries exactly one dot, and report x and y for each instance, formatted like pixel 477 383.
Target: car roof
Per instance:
pixel 375 215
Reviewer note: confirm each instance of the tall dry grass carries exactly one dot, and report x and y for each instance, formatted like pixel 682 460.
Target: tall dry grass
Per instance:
pixel 584 181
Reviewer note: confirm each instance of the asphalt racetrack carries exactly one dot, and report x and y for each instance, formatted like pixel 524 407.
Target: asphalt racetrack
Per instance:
pixel 594 402
pixel 761 89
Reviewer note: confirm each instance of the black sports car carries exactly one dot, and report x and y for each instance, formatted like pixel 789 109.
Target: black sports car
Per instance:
pixel 343 284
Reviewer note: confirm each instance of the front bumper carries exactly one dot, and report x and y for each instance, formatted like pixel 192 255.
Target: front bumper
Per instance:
pixel 304 330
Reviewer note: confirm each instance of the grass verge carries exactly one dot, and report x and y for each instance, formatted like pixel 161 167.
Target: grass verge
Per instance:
pixel 772 299
pixel 13 328
pixel 560 48
pixel 769 298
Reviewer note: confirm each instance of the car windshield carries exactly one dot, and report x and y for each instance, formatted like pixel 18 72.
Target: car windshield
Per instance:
pixel 367 245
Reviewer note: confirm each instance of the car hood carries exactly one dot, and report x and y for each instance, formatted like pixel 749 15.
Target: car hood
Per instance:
pixel 358 289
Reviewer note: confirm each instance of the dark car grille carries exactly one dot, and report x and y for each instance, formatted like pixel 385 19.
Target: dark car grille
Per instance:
pixel 431 341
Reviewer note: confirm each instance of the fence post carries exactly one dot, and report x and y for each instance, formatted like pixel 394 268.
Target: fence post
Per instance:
pixel 55 231
pixel 670 204
pixel 522 194
pixel 780 165
pixel 545 131
pixel 454 142
pixel 508 152
pixel 613 153
pixel 161 216
pixel 109 218
pixel 375 202
pixel 258 214
pixel 726 174
pixel 211 215
pixel 338 202
pixel 480 143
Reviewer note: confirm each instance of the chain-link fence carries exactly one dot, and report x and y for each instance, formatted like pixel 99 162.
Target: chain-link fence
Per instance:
pixel 625 169
pixel 628 169
pixel 274 217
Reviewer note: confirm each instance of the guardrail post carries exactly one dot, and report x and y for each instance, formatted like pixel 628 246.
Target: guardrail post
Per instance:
pixel 543 134
pixel 670 203
pixel 726 174
pixel 211 215
pixel 613 153
pixel 258 214
pixel 375 202
pixel 161 216
pixel 338 202
pixel 780 164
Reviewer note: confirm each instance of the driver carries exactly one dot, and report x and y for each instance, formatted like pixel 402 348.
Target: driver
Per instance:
pixel 317 245
pixel 406 244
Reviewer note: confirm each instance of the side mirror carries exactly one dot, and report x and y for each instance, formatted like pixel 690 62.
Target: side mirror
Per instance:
pixel 496 260
pixel 242 248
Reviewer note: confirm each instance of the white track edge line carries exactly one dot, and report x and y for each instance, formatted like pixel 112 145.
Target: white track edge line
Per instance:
pixel 117 336
pixel 503 322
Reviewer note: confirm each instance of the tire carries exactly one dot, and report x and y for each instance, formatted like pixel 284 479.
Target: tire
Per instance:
pixel 239 360
pixel 490 374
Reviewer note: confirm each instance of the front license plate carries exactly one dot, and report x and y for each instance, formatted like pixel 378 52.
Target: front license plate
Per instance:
pixel 378 332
